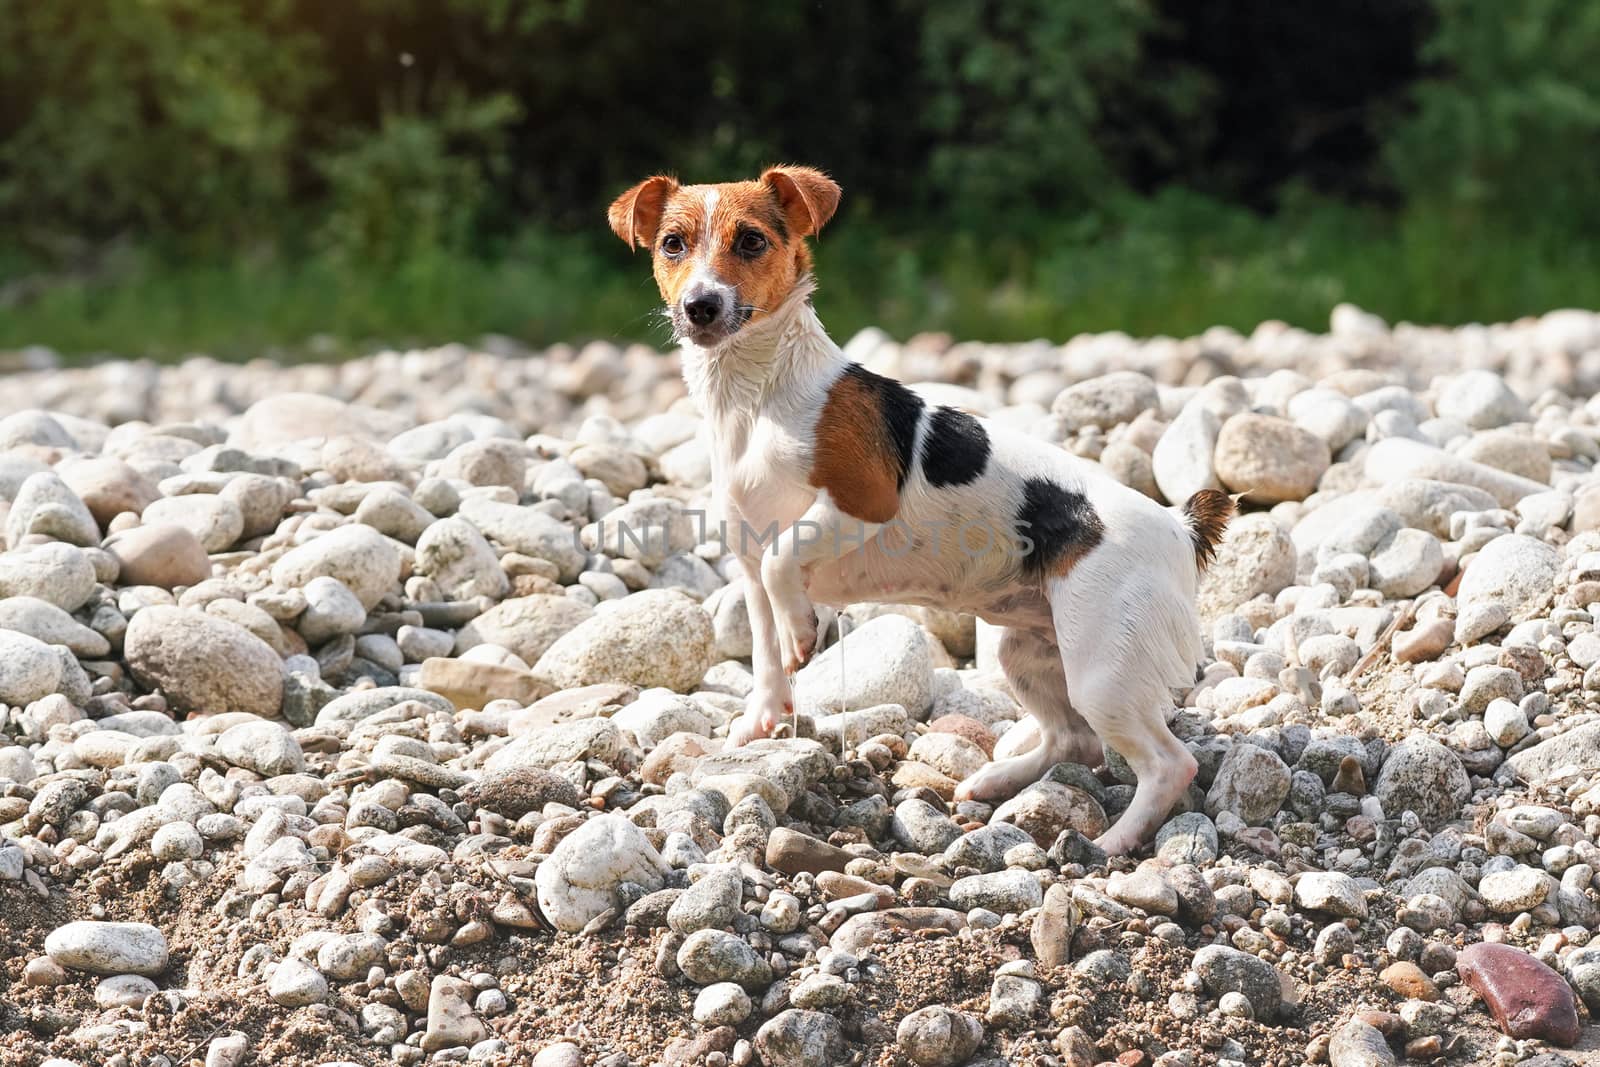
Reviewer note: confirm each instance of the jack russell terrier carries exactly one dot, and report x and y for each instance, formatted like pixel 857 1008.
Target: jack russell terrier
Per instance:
pixel 861 480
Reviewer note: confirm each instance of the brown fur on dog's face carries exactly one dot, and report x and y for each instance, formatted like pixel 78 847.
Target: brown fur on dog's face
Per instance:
pixel 728 254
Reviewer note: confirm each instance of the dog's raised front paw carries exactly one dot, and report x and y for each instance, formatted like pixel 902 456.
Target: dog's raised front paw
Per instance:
pixel 797 639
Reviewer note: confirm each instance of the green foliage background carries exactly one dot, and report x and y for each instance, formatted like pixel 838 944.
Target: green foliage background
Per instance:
pixel 235 175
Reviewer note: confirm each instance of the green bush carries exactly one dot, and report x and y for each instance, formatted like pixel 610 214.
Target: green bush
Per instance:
pixel 1507 122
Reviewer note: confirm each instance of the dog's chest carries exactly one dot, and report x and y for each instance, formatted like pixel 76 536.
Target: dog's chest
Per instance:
pixel 759 476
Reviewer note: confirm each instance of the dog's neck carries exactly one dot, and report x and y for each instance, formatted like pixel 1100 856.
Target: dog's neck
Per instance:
pixel 781 355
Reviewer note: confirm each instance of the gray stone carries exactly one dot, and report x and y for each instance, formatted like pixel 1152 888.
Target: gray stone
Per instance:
pixel 108 947
pixel 579 880
pixel 798 1038
pixel 711 956
pixel 263 747
pixel 203 663
pixel 1227 970
pixel 1422 776
pixel 1252 783
pixel 937 1036
pixel 652 638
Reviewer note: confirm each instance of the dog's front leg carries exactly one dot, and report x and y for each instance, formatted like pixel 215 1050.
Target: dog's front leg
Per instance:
pixel 771 701
pixel 823 532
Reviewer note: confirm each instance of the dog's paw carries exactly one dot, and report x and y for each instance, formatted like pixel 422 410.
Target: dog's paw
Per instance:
pixel 797 639
pixel 758 721
pixel 1116 842
pixel 994 782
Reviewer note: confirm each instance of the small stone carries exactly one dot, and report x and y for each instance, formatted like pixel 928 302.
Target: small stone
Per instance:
pixel 937 1036
pixel 1359 1044
pixel 203 663
pixel 722 1004
pixel 1409 980
pixel 451 1020
pixel 263 747
pixel 1422 776
pixel 1251 782
pixel 711 956
pixel 1004 892
pixel 1331 892
pixel 656 637
pixel 123 991
pixel 1224 970
pixel 798 1038
pixel 792 852
pixel 296 984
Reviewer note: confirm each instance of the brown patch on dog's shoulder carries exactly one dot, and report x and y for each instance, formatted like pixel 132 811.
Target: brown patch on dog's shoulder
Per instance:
pixel 862 444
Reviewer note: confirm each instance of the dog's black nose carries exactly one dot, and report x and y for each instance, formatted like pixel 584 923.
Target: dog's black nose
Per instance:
pixel 704 309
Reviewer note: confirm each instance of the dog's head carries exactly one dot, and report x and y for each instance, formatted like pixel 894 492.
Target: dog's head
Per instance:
pixel 726 255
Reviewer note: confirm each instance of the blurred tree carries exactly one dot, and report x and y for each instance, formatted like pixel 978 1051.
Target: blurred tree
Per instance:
pixel 176 116
pixel 1507 119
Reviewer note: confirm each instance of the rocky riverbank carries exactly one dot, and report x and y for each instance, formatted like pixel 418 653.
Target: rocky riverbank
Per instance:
pixel 339 725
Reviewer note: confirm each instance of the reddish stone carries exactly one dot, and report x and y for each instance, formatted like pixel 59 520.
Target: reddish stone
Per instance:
pixel 1528 999
pixel 967 727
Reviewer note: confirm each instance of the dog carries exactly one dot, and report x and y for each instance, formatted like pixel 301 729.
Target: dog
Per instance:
pixel 859 490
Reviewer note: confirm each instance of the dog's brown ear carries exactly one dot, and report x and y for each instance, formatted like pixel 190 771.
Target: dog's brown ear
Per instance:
pixel 809 197
pixel 636 214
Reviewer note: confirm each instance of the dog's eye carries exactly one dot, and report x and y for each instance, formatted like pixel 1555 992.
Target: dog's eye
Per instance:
pixel 672 245
pixel 752 243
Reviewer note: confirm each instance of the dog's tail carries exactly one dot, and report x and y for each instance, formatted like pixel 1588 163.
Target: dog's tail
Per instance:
pixel 1206 515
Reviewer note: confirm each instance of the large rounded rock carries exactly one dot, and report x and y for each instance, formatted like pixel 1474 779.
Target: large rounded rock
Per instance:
pixel 580 878
pixel 44 505
pixel 359 556
pixel 1106 401
pixel 885 661
pixel 58 573
pixel 1269 459
pixel 203 663
pixel 161 555
pixel 29 669
pixel 108 948
pixel 1421 775
pixel 263 747
pixel 526 625
pixel 653 638
pixel 108 486
pixel 1514 571
pixel 455 555
pixel 1256 556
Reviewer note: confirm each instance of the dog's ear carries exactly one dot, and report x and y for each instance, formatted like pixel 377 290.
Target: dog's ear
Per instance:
pixel 636 214
pixel 809 197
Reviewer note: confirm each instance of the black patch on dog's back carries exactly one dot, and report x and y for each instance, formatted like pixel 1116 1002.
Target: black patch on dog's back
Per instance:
pixel 902 410
pixel 1062 525
pixel 955 449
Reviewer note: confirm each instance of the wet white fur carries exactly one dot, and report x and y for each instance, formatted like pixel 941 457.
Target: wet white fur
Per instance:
pixel 1094 654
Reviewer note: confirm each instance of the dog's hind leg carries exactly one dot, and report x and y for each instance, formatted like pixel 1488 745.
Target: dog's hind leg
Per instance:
pixel 1127 704
pixel 1032 666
